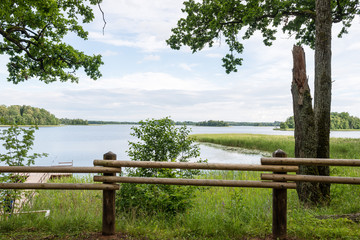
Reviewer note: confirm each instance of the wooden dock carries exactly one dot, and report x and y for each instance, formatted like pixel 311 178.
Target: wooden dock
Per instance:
pixel 27 195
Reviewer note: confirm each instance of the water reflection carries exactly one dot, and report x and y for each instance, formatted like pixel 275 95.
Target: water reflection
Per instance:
pixel 220 154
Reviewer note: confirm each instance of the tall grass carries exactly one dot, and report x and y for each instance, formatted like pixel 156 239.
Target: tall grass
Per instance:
pixel 267 143
pixel 215 213
pixel 71 211
pixel 234 213
pixel 348 148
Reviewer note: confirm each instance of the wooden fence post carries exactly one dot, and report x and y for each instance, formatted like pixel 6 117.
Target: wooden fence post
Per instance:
pixel 108 221
pixel 279 226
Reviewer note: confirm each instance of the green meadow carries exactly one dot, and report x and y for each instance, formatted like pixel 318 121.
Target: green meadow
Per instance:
pixel 348 148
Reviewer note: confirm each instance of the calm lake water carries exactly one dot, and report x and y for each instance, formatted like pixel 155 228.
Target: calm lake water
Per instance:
pixel 83 144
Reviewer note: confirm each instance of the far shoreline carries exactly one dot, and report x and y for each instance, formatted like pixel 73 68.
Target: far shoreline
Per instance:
pixel 292 129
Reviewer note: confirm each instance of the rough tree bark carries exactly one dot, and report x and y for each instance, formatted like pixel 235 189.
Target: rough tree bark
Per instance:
pixel 312 127
pixel 305 135
pixel 322 91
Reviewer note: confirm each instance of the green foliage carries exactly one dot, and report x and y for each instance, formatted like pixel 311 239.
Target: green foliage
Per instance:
pixel 283 126
pixel 344 121
pixel 77 121
pixel 338 121
pixel 213 123
pixel 158 140
pixel 26 115
pixel 289 123
pixel 18 143
pixel 32 35
pixel 255 124
pixel 211 21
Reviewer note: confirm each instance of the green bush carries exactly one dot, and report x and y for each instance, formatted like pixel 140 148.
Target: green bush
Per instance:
pixel 18 144
pixel 159 140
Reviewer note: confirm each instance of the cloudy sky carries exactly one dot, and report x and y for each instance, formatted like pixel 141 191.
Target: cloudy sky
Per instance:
pixel 144 78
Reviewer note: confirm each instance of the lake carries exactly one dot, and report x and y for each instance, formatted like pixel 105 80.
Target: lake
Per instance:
pixel 83 144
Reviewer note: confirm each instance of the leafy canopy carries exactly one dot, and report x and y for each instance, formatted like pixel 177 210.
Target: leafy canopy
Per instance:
pixel 209 21
pixel 32 35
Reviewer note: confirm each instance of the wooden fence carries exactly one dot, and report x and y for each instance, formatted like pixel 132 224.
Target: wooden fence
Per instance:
pixel 279 187
pixel 278 180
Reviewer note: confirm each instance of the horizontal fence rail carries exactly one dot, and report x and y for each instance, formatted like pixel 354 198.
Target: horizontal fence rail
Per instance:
pixel 311 161
pixel 197 182
pixel 64 186
pixel 57 169
pixel 203 166
pixel 310 178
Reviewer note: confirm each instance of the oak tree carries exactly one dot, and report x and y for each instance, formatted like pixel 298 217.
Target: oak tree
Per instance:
pixel 310 21
pixel 33 33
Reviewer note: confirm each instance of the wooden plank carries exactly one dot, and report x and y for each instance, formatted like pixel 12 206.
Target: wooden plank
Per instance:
pixel 64 186
pixel 196 182
pixel 310 178
pixel 58 169
pixel 310 161
pixel 187 165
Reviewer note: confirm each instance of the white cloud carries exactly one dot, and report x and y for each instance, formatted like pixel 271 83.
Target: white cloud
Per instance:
pixel 149 81
pixel 215 55
pixel 152 57
pixel 148 43
pixel 3 61
pixel 140 23
pixel 187 67
pixel 109 53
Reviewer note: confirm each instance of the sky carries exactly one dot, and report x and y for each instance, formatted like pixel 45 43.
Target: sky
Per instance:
pixel 144 78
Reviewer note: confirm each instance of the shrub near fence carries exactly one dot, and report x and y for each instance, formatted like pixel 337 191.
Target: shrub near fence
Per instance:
pixel 279 188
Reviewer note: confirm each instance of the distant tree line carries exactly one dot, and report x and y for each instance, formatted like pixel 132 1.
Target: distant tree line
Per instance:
pixel 77 121
pixel 231 123
pixel 255 124
pixel 27 115
pixel 203 123
pixel 212 123
pixel 344 121
pixel 341 120
pixel 111 122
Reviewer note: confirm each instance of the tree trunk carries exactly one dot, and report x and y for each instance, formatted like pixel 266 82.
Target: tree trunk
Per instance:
pixel 312 128
pixel 305 135
pixel 322 96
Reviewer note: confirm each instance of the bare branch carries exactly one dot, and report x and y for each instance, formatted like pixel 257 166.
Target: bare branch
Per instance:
pixel 103 16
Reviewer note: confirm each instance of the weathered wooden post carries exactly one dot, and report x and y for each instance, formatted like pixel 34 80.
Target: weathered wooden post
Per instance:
pixel 108 222
pixel 279 225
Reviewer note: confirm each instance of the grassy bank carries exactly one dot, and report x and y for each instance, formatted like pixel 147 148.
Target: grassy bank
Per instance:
pixel 70 212
pixel 339 147
pixel 216 213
